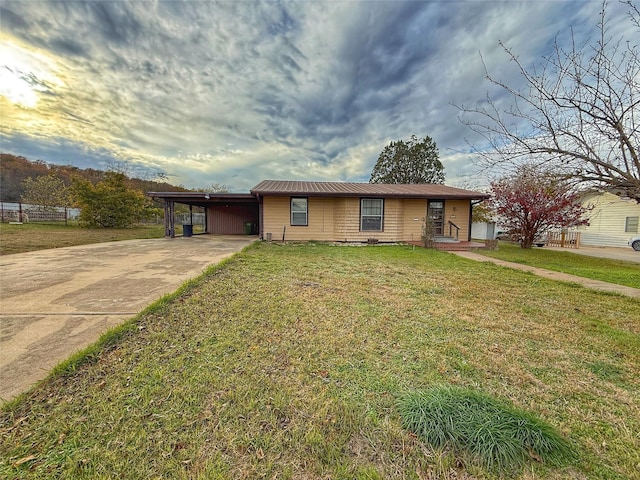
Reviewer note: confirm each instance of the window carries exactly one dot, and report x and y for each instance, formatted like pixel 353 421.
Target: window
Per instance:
pixel 299 212
pixel 371 210
pixel 631 225
pixel 435 213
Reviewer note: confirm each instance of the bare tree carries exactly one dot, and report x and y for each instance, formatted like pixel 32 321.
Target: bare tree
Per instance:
pixel 139 171
pixel 578 111
pixel 215 188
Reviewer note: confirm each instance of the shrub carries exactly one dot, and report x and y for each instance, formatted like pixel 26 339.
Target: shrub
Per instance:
pixel 109 203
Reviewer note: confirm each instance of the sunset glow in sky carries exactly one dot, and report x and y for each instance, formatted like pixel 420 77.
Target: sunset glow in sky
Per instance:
pixel 237 92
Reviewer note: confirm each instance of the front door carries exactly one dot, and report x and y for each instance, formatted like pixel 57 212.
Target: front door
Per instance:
pixel 435 213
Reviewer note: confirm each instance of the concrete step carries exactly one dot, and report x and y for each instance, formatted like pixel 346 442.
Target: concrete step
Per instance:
pixel 458 246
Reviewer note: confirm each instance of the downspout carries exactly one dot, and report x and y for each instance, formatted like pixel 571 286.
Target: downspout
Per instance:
pixel 260 218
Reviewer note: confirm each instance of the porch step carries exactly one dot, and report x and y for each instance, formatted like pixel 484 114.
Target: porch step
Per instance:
pixel 443 239
pixel 458 246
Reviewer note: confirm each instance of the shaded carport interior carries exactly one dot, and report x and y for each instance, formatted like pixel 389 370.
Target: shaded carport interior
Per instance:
pixel 225 213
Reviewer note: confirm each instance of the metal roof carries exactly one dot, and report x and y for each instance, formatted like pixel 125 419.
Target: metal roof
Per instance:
pixel 346 189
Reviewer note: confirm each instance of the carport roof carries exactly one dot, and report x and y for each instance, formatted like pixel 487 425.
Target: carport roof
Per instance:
pixel 205 198
pixel 346 189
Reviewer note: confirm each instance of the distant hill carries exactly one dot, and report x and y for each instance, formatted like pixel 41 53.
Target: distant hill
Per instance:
pixel 15 169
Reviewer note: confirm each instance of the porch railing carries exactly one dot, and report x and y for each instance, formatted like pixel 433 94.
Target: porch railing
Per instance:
pixel 564 239
pixel 453 225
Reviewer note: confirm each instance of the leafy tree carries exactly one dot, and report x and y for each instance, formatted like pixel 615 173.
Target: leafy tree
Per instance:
pixel 110 203
pixel 46 191
pixel 409 161
pixel 530 202
pixel 482 212
pixel 578 111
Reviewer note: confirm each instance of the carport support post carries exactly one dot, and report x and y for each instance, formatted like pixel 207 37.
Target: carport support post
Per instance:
pixel 167 232
pixel 172 218
pixel 169 220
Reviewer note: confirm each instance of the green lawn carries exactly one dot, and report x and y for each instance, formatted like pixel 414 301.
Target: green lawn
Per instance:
pixel 39 236
pixel 288 362
pixel 612 271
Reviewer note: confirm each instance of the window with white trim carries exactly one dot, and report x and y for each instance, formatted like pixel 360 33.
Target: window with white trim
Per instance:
pixel 299 211
pixel 371 214
pixel 631 225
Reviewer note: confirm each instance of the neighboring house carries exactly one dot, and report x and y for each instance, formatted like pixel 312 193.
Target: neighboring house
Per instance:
pixel 333 211
pixel 612 220
pixel 483 230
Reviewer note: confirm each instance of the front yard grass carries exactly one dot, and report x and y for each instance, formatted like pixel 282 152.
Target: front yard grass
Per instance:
pixel 606 270
pixel 288 361
pixel 29 237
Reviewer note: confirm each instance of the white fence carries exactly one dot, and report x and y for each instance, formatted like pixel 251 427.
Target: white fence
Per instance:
pixel 25 212
pixel 195 218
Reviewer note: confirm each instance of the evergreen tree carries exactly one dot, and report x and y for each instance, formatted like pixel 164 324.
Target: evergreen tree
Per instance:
pixel 409 161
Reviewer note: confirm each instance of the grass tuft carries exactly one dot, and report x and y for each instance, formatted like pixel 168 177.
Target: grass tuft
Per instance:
pixel 480 428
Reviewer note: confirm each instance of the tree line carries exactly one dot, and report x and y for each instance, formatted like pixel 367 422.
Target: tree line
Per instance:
pixel 15 169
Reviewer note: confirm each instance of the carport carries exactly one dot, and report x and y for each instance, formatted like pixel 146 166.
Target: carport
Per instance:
pixel 225 213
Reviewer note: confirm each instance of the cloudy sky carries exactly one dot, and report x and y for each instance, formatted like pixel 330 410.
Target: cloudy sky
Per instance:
pixel 240 91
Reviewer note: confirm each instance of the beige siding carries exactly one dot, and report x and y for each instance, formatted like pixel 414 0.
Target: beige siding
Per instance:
pixel 457 211
pixel 276 211
pixel 414 213
pixel 338 219
pixel 347 221
pixel 607 220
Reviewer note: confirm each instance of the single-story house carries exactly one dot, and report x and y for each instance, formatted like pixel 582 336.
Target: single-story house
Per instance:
pixel 613 220
pixel 333 211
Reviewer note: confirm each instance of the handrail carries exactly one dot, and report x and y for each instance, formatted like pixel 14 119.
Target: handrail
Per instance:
pixel 451 224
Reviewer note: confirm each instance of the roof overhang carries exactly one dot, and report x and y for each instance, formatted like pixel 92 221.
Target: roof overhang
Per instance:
pixel 320 189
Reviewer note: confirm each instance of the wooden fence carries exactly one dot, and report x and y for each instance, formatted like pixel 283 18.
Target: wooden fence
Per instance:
pixel 564 239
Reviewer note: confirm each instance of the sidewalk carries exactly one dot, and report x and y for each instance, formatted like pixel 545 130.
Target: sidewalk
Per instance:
pixel 559 276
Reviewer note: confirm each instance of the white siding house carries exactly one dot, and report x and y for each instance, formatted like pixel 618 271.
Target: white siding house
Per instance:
pixel 612 221
pixel 483 230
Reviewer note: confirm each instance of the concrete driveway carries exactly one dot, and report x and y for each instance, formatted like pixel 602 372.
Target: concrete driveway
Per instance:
pixel 56 302
pixel 614 253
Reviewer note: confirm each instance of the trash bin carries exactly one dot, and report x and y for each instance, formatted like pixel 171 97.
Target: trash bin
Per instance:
pixel 248 228
pixel 187 230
